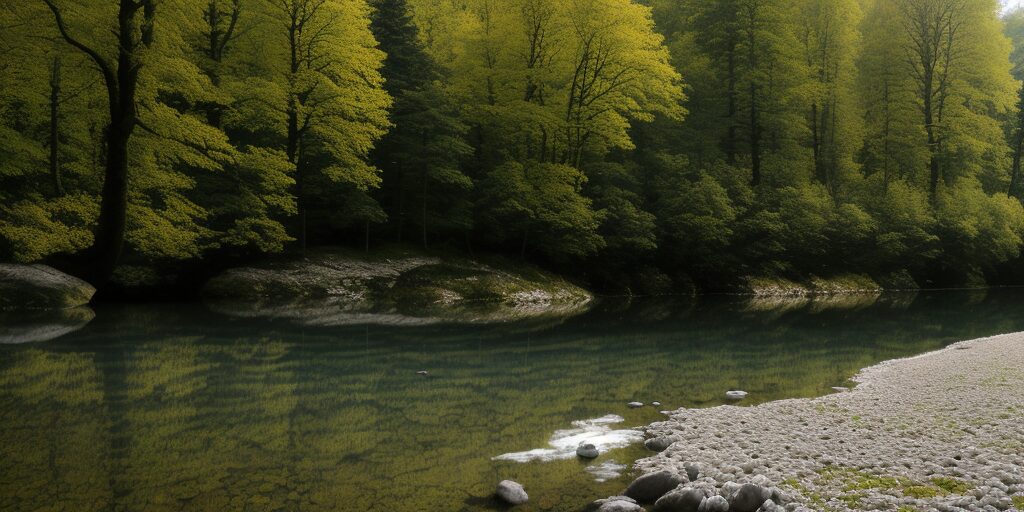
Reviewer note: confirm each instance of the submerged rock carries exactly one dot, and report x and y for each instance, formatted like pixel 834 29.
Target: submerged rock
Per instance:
pixel 635 405
pixel 587 451
pixel 336 287
pixel 511 492
pixel 41 287
pixel 648 488
pixel 736 395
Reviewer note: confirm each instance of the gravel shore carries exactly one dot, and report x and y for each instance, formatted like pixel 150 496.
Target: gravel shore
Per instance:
pixel 940 431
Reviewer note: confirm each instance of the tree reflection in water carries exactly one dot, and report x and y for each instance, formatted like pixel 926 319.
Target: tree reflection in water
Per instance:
pixel 151 408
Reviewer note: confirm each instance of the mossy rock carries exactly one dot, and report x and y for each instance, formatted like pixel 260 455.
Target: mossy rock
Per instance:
pixel 41 287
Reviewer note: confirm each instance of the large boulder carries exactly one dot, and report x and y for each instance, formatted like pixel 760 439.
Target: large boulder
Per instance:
pixel 336 287
pixel 41 287
pixel 681 500
pixel 749 498
pixel 650 487
pixel 511 492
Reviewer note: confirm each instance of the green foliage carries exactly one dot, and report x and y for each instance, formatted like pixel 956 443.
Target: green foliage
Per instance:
pixel 715 140
pixel 539 204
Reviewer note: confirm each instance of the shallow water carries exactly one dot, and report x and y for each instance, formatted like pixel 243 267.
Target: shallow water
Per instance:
pixel 176 408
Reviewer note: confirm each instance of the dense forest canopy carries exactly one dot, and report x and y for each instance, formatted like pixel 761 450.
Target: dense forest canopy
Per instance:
pixel 638 144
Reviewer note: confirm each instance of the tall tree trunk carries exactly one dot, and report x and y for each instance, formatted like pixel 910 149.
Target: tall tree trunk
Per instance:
pixel 55 82
pixel 730 138
pixel 133 36
pixel 755 139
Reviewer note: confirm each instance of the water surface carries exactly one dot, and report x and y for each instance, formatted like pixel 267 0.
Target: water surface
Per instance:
pixel 167 408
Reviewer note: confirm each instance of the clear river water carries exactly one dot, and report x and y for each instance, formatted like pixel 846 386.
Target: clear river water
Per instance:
pixel 177 408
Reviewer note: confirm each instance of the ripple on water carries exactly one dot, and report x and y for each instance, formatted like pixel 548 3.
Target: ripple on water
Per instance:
pixel 563 443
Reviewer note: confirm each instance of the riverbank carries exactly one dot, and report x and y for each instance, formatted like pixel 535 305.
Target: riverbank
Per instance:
pixel 941 431
pixel 331 287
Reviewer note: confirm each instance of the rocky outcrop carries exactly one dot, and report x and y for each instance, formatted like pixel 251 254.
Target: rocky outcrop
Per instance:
pixel 334 287
pixel 25 287
pixel 813 286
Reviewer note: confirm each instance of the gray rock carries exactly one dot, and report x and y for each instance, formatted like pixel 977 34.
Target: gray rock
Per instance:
pixel 681 500
pixel 41 287
pixel 736 395
pixel 658 444
pixel 749 498
pixel 656 404
pixel 635 405
pixel 618 504
pixel 771 506
pixel 714 504
pixel 587 451
pixel 692 471
pixel 729 489
pixel 648 488
pixel 511 492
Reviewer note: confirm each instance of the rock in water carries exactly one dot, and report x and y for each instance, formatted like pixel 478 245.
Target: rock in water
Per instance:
pixel 423 373
pixel 684 500
pixel 512 493
pixel 635 405
pixel 618 504
pixel 587 451
pixel 749 498
pixel 736 395
pixel 658 444
pixel 650 487
pixel 656 404
pixel 714 504
pixel 41 287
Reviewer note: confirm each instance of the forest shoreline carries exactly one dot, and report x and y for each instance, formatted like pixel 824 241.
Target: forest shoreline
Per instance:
pixel 928 432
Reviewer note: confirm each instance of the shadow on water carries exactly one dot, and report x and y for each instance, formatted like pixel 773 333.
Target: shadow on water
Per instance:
pixel 180 408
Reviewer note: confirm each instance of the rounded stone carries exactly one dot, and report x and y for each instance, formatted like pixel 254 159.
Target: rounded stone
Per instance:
pixel 714 504
pixel 587 451
pixel 618 504
pixel 648 488
pixel 658 444
pixel 511 492
pixel 683 500
pixel 748 498
pixel 635 405
pixel 736 395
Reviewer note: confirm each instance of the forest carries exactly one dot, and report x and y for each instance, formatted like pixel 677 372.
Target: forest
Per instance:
pixel 635 145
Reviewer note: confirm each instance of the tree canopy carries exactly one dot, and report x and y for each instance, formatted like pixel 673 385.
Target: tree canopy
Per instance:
pixel 632 143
